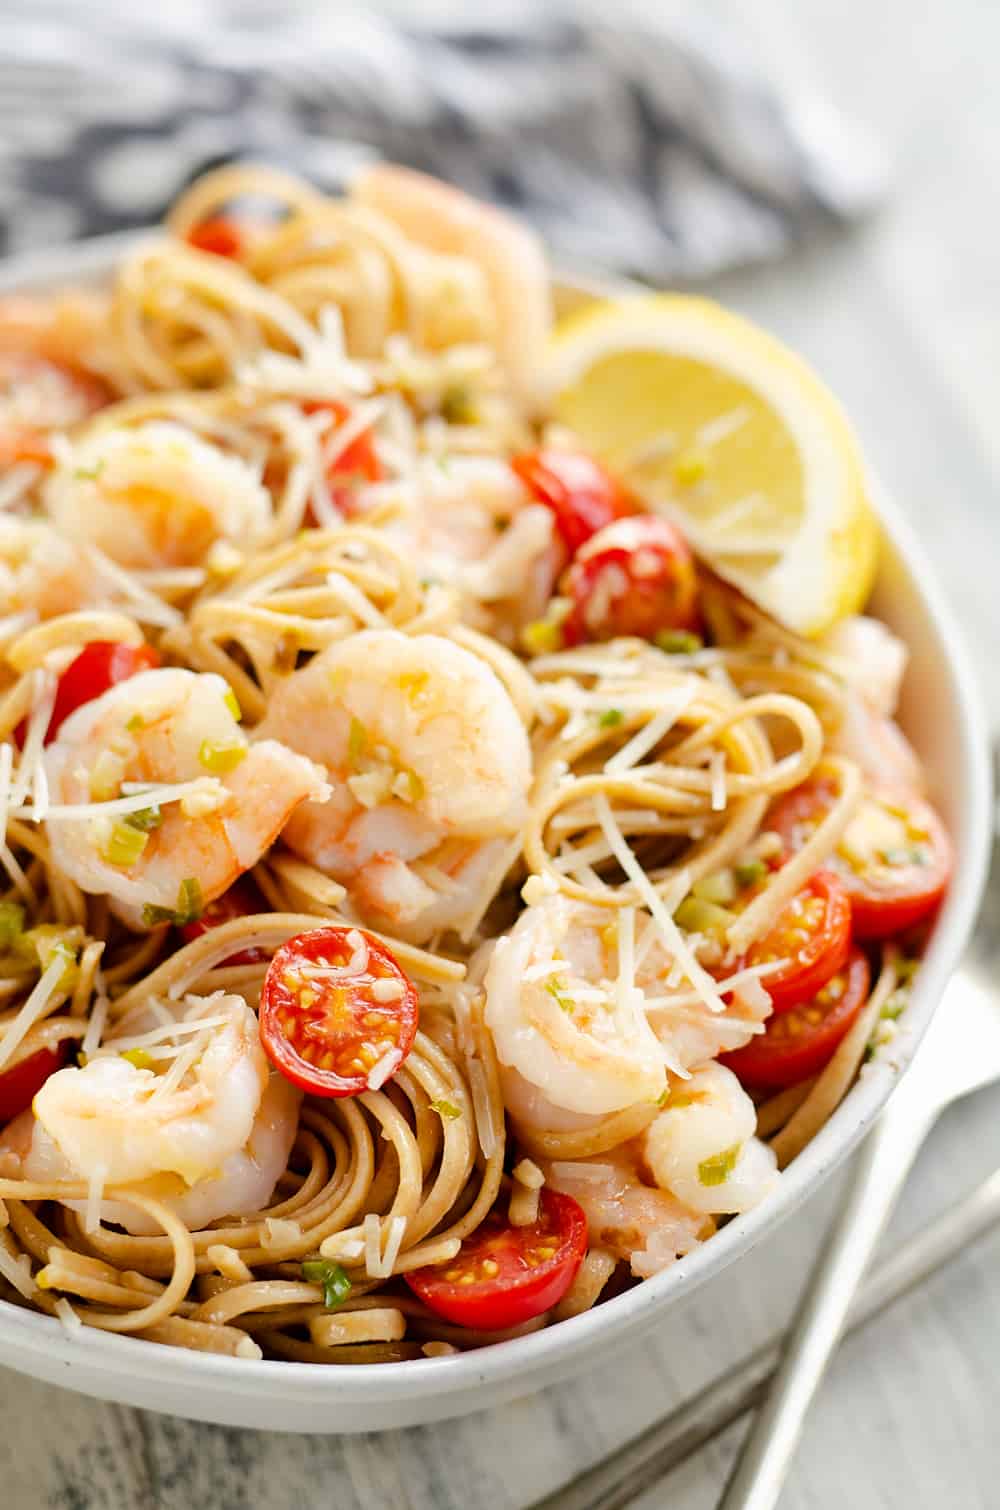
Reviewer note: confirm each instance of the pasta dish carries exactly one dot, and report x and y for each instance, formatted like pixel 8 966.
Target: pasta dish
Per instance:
pixel 455 844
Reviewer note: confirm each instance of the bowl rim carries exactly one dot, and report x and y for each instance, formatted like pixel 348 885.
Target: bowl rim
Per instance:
pixel 617 1321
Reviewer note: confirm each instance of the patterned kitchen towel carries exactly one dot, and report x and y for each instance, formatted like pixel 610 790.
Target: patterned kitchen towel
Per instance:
pixel 659 152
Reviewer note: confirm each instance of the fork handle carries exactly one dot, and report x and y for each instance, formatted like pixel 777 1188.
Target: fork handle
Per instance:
pixel 878 1177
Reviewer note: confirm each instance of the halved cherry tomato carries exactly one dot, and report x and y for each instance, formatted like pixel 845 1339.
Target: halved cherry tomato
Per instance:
pixel 797 1043
pixel 335 1005
pixel 240 901
pixel 219 235
pixel 20 1083
pixel 357 462
pixel 582 494
pixel 635 577
pixel 813 932
pixel 894 860
pixel 503 1275
pixel 100 665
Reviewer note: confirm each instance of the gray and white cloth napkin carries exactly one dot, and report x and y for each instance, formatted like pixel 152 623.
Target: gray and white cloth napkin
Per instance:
pixel 660 152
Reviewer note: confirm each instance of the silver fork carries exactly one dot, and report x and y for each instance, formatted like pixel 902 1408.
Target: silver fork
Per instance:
pixel 960 1054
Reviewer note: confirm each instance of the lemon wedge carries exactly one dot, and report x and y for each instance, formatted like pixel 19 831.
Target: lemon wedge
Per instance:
pixel 715 424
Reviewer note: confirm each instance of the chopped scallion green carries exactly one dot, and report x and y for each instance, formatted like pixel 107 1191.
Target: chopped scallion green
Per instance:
pixel 123 845
pixel 188 910
pixel 139 1058
pixel 11 924
pixel 678 641
pixel 218 759
pixel 446 1109
pixel 611 718
pixel 233 704
pixel 717 1169
pixel 330 1277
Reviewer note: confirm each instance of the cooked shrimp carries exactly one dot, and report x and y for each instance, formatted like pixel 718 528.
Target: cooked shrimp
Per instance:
pixel 167 727
pixel 213 1146
pixel 473 526
pixel 40 572
pixel 155 495
pixel 630 1218
pixel 429 763
pixel 702 1146
pixel 872 661
pixel 574 1038
pixel 442 218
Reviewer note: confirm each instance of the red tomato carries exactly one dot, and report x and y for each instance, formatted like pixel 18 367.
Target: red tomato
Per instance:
pixel 582 495
pixel 504 1275
pixel 240 901
pixel 219 235
pixel 357 462
pixel 21 1082
pixel 100 665
pixel 325 1022
pixel 813 932
pixel 894 861
pixel 635 577
pixel 797 1043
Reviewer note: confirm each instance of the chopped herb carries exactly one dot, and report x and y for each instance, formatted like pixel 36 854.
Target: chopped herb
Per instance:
pixel 557 989
pixel 357 743
pixel 446 1109
pixel 124 845
pixel 89 474
pixel 696 915
pixel 232 702
pixel 145 819
pixel 717 1169
pixel 11 924
pixel 678 641
pixel 188 910
pixel 51 941
pixel 750 872
pixel 139 1058
pixel 718 887
pixel 611 718
pixel 906 969
pixel 457 406
pixel 330 1276
pixel 895 1006
pixel 664 1097
pixel 135 722
pixel 218 759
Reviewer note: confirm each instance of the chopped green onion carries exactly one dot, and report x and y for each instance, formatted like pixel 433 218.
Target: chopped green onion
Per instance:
pixel 750 872
pixel 719 887
pixel 896 1005
pixel 695 915
pixel 335 1284
pixel 188 910
pixel 51 941
pixel 11 924
pixel 124 845
pixel 457 406
pixel 145 819
pixel 233 704
pixel 611 718
pixel 446 1109
pixel 717 1169
pixel 664 1097
pixel 218 759
pixel 357 743
pixel 138 1057
pixel 556 989
pixel 678 641
pixel 135 722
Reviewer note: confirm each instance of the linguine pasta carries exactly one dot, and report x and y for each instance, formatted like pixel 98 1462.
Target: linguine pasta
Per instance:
pixel 284 463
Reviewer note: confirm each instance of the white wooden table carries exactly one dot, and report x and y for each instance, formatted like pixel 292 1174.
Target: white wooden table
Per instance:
pixel 903 319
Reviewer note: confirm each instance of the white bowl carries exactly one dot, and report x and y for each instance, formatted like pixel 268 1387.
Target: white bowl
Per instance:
pixel 942 716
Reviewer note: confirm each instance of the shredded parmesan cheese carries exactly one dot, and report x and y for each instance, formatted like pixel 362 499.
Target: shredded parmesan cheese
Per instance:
pixel 70 1320
pixel 34 1009
pixel 16 1269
